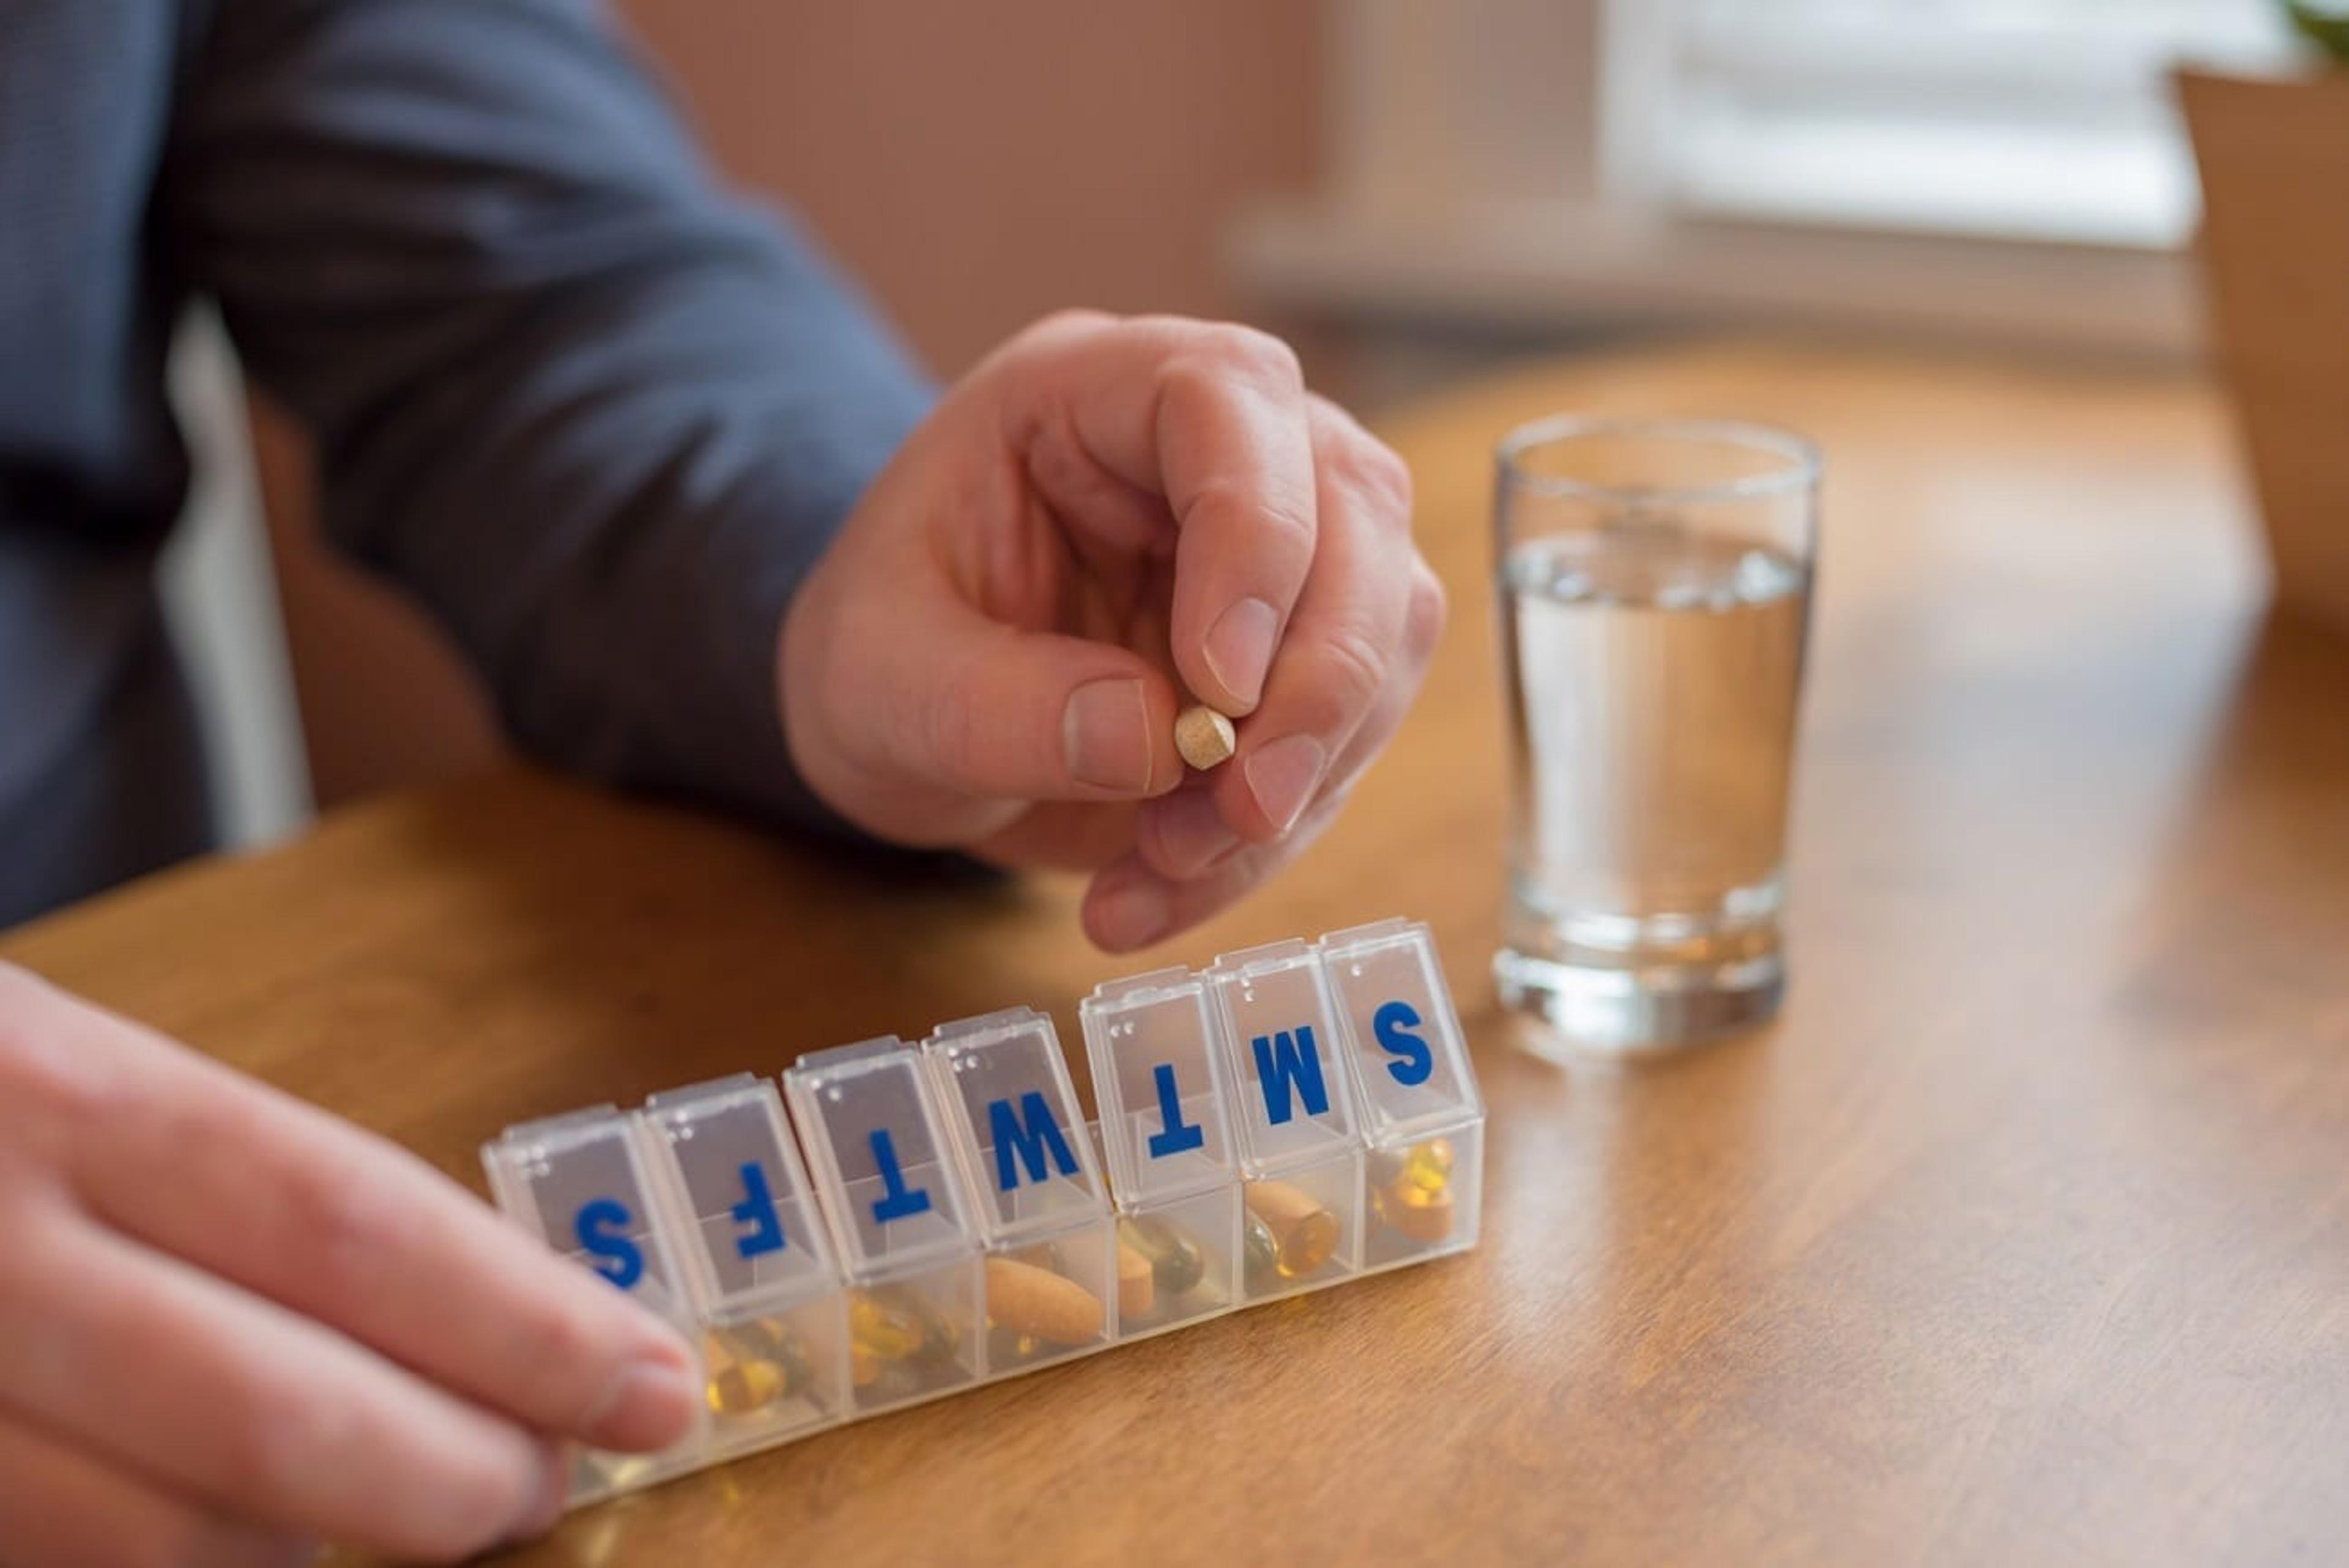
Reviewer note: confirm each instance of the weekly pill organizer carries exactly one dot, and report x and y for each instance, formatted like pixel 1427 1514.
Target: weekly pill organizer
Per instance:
pixel 904 1222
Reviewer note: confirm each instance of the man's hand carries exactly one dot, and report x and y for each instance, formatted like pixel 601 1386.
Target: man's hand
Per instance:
pixel 1103 515
pixel 231 1324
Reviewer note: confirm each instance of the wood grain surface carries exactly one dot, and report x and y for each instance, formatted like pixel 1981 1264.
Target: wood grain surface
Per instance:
pixel 2023 1236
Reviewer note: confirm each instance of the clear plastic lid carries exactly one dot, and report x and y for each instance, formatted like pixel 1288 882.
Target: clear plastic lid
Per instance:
pixel 878 1154
pixel 1161 1085
pixel 1012 1114
pixel 1402 1036
pixel 578 1182
pixel 751 1233
pixel 1279 1032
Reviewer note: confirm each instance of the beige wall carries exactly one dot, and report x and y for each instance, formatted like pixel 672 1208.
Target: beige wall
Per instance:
pixel 977 165
pixel 981 164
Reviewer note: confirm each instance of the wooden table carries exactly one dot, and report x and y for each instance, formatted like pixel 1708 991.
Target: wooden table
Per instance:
pixel 2023 1236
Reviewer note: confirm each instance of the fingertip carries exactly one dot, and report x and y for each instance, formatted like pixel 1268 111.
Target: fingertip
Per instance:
pixel 649 1404
pixel 1129 906
pixel 546 1505
pixel 1186 834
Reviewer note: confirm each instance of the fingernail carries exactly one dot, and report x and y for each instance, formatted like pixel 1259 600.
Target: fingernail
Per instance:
pixel 1192 833
pixel 1283 775
pixel 553 1492
pixel 649 1404
pixel 1134 916
pixel 1105 735
pixel 1239 649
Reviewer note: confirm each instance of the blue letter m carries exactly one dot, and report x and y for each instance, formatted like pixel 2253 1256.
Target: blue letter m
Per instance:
pixel 1280 1061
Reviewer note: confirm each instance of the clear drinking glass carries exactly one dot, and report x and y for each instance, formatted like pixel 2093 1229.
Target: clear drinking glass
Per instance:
pixel 1655 581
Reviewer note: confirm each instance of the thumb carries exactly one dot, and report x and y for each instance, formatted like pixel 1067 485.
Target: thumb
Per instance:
pixel 994 712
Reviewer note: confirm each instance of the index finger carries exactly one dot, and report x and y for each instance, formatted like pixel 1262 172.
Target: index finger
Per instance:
pixel 275 1195
pixel 1215 418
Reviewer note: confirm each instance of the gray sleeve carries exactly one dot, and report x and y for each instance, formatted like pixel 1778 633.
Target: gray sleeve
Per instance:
pixel 599 415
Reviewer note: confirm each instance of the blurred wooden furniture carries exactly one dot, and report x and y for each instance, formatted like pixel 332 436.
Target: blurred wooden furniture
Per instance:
pixel 2274 159
pixel 2022 1237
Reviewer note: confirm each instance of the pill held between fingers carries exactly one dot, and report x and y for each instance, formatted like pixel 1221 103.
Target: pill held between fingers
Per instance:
pixel 1041 1303
pixel 1205 736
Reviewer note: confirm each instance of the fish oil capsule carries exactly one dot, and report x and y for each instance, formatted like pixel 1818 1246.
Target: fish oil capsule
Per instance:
pixel 1259 1253
pixel 1176 1263
pixel 1413 1193
pixel 1414 1212
pixel 753 1365
pixel 883 1329
pixel 899 1322
pixel 1304 1231
pixel 1428 1166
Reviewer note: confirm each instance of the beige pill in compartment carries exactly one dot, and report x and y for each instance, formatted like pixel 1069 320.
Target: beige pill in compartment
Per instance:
pixel 1137 1282
pixel 1040 1305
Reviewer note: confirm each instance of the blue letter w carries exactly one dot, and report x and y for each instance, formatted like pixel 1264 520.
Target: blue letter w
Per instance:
pixel 1028 1135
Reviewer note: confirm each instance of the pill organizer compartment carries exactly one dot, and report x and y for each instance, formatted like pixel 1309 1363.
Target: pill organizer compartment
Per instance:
pixel 893 1207
pixel 1033 1182
pixel 1191 1247
pixel 1160 1080
pixel 1300 1150
pixel 1420 1106
pixel 1293 1117
pixel 772 1318
pixel 578 1182
pixel 1422 1196
pixel 1166 1135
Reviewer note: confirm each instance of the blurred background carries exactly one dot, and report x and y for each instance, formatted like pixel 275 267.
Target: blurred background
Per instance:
pixel 1412 192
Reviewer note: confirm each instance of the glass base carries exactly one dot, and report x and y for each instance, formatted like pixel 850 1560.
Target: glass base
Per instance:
pixel 1611 1011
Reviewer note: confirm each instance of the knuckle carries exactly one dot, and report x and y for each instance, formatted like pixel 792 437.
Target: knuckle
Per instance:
pixel 1074 321
pixel 52 1088
pixel 1428 610
pixel 1353 668
pixel 950 725
pixel 270 1444
pixel 571 1362
pixel 1221 357
pixel 1272 519
pixel 1381 474
pixel 1259 356
pixel 349 1229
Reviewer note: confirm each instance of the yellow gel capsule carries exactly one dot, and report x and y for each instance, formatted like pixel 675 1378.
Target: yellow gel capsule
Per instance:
pixel 1412 1211
pixel 887 1330
pixel 753 1365
pixel 1304 1231
pixel 1428 1166
pixel 1176 1263
pixel 1260 1255
pixel 745 1388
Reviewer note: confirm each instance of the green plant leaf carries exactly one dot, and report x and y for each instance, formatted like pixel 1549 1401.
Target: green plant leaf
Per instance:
pixel 2324 21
